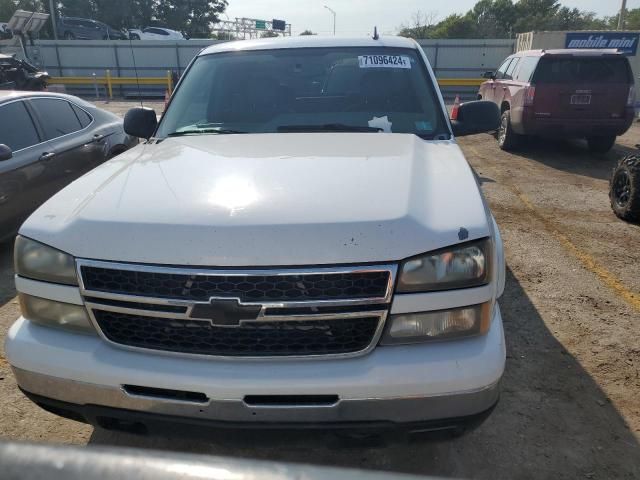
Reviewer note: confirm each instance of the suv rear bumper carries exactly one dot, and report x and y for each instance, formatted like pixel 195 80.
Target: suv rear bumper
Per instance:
pixel 524 122
pixel 391 385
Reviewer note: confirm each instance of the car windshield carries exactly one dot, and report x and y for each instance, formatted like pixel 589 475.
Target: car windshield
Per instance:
pixel 310 89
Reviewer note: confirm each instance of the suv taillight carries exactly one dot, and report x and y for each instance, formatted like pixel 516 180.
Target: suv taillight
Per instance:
pixel 631 98
pixel 529 95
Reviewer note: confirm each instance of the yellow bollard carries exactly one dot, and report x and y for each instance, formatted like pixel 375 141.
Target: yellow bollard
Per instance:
pixel 109 85
pixel 169 82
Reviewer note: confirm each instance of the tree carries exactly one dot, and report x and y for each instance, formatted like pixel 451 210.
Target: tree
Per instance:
pixel 493 18
pixel 8 7
pixel 421 25
pixel 455 26
pixel 195 17
pixel 631 20
pixel 223 36
pixel 506 18
pixel 307 32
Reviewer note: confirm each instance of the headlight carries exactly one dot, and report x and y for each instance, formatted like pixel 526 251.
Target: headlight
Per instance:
pixel 40 262
pixel 51 313
pixel 456 267
pixel 440 325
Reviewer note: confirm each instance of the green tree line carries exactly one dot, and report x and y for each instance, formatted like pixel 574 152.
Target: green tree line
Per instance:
pixel 506 18
pixel 194 17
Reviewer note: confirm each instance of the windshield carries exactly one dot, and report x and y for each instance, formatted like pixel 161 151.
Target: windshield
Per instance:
pixel 311 89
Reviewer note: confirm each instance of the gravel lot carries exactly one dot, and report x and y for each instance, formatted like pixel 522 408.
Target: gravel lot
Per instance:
pixel 570 404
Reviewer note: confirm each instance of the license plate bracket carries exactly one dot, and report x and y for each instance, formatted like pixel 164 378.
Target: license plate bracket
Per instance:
pixel 580 99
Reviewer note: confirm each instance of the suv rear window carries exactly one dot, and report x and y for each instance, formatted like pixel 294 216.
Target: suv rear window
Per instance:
pixel 583 70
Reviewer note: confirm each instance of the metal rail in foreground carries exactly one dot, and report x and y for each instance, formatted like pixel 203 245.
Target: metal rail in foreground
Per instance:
pixel 109 81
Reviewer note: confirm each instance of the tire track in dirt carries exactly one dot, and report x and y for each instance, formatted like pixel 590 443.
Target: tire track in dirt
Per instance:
pixel 590 263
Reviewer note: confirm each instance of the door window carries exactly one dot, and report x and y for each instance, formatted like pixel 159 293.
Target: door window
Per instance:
pixel 84 117
pixel 17 130
pixel 156 31
pixel 527 66
pixel 503 68
pixel 56 116
pixel 508 75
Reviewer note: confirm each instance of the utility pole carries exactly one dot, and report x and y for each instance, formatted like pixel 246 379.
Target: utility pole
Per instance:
pixel 623 11
pixel 334 19
pixel 52 11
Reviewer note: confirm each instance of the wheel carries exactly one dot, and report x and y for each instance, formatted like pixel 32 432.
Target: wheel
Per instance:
pixel 69 36
pixel 134 36
pixel 624 188
pixel 507 138
pixel 601 144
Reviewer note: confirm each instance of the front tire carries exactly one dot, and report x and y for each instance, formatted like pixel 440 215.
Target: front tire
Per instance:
pixel 69 36
pixel 507 139
pixel 601 144
pixel 134 36
pixel 624 188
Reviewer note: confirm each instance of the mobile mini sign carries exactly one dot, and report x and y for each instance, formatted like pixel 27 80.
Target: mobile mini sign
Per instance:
pixel 626 43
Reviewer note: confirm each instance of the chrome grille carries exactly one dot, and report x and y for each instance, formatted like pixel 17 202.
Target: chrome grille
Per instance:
pixel 250 288
pixel 290 312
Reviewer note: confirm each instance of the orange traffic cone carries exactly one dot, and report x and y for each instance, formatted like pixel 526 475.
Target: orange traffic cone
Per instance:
pixel 456 107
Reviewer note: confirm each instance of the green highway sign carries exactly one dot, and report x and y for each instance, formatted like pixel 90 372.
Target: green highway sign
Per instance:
pixel 261 24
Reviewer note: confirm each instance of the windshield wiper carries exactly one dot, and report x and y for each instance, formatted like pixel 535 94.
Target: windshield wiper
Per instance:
pixel 327 127
pixel 221 131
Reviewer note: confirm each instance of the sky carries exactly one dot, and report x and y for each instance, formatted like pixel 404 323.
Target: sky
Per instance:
pixel 358 17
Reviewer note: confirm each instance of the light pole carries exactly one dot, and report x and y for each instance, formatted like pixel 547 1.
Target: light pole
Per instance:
pixel 334 18
pixel 53 20
pixel 623 10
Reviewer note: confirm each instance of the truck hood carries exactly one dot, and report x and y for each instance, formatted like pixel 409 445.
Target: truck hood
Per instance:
pixel 267 200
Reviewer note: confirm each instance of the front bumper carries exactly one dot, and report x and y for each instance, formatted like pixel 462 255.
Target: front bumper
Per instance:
pixel 391 385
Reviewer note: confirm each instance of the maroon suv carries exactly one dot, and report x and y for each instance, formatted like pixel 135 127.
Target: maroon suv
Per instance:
pixel 563 93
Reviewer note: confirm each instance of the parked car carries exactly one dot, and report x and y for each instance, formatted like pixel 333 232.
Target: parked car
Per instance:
pixel 47 141
pixel 155 33
pixel 624 188
pixel 16 74
pixel 563 93
pixel 272 255
pixel 74 28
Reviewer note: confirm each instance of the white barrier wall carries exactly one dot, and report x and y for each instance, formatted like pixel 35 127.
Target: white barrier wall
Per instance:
pixel 466 58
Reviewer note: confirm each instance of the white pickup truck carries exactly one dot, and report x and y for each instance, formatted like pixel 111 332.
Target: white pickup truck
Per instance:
pixel 299 242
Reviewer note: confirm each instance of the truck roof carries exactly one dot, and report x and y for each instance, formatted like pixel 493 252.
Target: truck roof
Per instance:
pixel 310 41
pixel 576 52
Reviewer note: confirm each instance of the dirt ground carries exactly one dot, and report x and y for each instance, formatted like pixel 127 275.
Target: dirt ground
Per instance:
pixel 570 405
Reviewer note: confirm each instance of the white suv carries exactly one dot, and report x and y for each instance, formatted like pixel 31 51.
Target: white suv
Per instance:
pixel 300 242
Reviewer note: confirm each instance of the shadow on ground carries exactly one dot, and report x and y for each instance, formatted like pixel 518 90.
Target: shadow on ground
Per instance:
pixel 553 421
pixel 7 285
pixel 572 156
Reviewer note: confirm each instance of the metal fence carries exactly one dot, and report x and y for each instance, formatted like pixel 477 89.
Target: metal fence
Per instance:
pixel 457 59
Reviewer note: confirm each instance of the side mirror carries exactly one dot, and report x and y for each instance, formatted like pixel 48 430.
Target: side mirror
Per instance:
pixel 140 122
pixel 479 116
pixel 489 75
pixel 5 152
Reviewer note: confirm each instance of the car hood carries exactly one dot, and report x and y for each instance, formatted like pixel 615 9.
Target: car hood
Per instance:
pixel 267 200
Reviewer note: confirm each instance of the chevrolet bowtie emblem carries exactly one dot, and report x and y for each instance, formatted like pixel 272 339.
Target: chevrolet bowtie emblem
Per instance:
pixel 225 312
